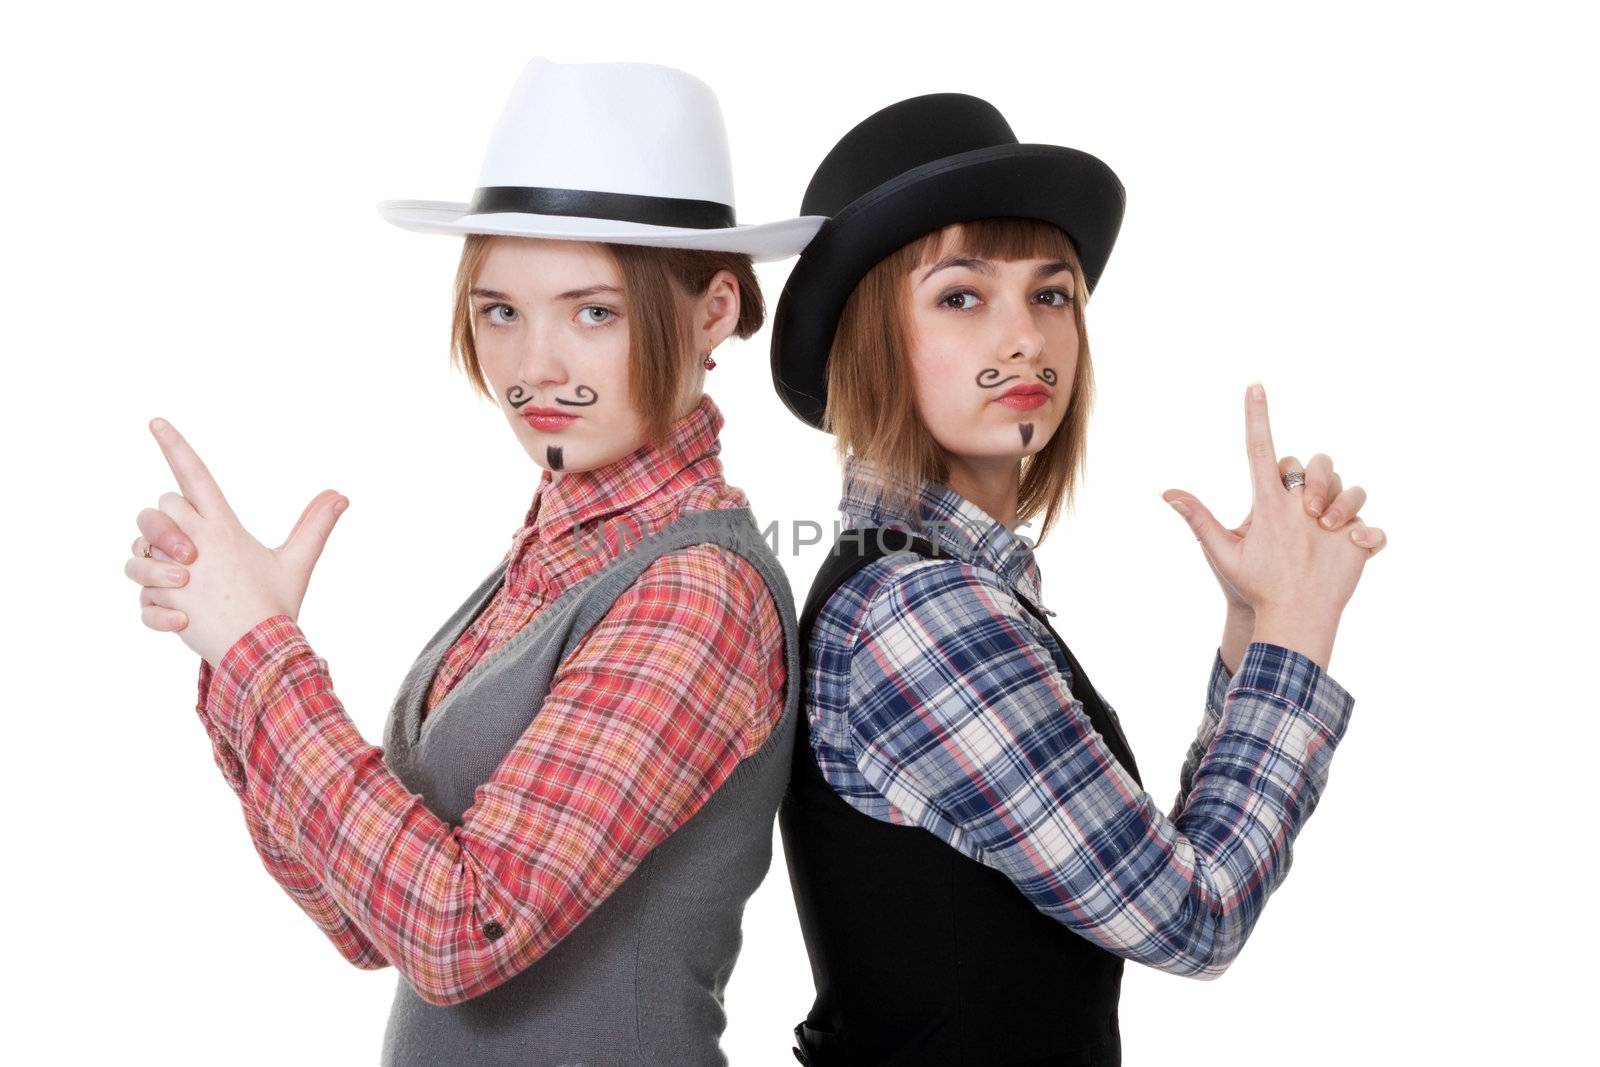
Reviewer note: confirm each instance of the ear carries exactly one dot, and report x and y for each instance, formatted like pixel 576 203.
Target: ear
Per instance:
pixel 716 311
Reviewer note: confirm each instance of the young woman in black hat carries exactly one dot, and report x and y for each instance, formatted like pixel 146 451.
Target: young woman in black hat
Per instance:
pixel 971 848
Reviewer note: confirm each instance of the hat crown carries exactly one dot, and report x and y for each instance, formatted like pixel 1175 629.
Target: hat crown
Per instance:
pixel 898 138
pixel 632 128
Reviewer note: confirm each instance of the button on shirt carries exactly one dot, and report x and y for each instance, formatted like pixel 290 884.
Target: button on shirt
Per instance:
pixel 936 699
pixel 648 715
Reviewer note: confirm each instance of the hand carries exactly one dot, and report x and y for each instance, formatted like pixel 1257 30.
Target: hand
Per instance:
pixel 1279 556
pixel 234 582
pixel 1322 481
pixel 166 543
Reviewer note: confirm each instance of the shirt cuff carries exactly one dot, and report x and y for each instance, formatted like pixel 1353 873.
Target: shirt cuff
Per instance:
pixel 222 752
pixel 1297 680
pixel 244 672
pixel 1217 690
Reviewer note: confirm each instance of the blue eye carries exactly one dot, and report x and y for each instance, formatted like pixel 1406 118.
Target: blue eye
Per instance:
pixel 487 311
pixel 606 314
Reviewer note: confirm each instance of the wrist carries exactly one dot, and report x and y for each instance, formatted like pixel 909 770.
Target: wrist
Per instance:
pixel 1308 632
pixel 1236 632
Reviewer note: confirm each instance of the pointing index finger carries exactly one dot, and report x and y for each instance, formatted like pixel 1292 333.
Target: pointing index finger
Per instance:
pixel 1258 441
pixel 194 479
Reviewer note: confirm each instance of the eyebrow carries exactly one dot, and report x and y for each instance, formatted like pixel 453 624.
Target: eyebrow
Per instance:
pixel 570 294
pixel 579 294
pixel 983 266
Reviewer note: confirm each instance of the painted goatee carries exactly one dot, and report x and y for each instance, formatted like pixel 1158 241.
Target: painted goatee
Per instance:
pixel 1027 433
pixel 552 456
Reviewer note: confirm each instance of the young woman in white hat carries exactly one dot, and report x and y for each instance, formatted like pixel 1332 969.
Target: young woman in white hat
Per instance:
pixel 971 848
pixel 576 792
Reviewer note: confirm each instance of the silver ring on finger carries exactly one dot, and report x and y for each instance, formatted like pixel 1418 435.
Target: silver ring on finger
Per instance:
pixel 1294 479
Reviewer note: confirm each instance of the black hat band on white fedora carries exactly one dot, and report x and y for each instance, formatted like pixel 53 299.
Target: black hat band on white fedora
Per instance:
pixel 591 203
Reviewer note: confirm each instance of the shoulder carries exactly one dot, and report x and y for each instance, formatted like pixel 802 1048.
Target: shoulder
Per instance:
pixel 939 630
pixel 943 644
pixel 933 597
pixel 700 612
pixel 706 578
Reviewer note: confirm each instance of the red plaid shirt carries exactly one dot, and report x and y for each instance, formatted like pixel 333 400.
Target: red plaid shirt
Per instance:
pixel 682 678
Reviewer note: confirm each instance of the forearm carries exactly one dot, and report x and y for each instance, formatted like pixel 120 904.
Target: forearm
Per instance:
pixel 1204 875
pixel 1236 631
pixel 306 889
pixel 1221 678
pixel 281 862
pixel 1257 784
pixel 324 793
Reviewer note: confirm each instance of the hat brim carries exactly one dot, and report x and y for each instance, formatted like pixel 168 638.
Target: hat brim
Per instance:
pixel 1063 186
pixel 761 242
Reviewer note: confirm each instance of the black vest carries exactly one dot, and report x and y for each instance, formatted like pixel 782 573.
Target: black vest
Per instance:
pixel 921 955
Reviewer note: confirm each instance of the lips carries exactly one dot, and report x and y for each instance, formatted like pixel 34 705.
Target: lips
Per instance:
pixel 1024 397
pixel 548 419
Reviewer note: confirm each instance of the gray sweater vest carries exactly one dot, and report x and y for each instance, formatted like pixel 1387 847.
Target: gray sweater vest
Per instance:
pixel 641 979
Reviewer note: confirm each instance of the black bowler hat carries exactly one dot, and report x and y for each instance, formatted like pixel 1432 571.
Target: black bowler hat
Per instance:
pixel 904 171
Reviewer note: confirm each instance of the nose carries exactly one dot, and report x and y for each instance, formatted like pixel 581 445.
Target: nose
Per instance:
pixel 1020 337
pixel 540 363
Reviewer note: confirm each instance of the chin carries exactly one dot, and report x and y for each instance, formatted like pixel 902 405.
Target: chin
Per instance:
pixel 1010 442
pixel 991 452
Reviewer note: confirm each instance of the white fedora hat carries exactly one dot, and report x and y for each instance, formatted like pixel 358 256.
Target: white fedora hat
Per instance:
pixel 626 153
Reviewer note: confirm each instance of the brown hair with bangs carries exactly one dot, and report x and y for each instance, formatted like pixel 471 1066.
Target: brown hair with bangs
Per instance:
pixel 661 354
pixel 871 408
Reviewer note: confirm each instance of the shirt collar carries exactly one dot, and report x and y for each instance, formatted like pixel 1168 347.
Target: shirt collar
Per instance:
pixel 687 454
pixel 955 522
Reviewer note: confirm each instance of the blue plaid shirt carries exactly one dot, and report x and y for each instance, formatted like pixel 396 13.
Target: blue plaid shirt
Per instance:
pixel 936 699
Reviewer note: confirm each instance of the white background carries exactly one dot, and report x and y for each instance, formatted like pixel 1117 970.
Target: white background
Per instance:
pixel 1386 213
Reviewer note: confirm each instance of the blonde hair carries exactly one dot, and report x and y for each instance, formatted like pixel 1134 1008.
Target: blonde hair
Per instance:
pixel 871 409
pixel 661 355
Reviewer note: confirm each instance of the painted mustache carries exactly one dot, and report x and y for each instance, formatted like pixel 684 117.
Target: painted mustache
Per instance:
pixel 989 377
pixel 586 396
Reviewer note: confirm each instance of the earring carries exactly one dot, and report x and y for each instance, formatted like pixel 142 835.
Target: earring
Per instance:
pixel 706 361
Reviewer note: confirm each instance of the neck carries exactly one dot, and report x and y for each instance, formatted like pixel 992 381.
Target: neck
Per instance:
pixel 992 483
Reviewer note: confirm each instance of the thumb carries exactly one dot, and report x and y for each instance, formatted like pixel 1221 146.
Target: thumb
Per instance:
pixel 1207 530
pixel 310 534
